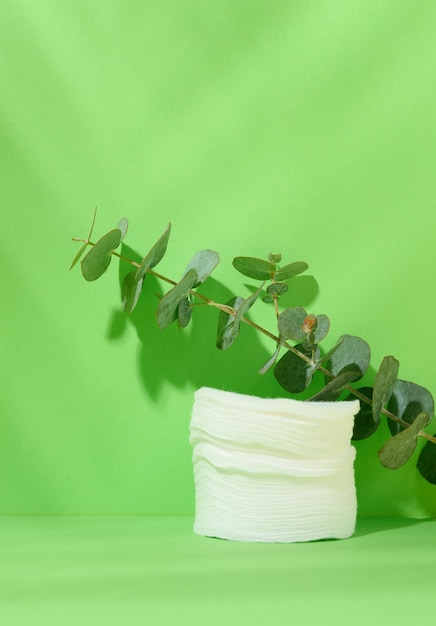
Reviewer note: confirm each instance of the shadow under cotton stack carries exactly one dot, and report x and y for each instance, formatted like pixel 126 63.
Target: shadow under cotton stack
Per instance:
pixel 272 470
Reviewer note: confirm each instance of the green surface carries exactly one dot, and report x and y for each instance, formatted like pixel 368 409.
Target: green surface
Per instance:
pixel 62 571
pixel 303 127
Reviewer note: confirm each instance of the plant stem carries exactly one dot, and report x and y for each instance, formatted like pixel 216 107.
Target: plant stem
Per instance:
pixel 123 258
pixel 160 277
pixel 277 339
pixel 276 305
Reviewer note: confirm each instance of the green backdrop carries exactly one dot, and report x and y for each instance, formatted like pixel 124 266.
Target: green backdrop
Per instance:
pixel 304 127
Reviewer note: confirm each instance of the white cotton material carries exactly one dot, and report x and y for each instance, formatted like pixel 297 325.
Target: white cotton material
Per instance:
pixel 272 470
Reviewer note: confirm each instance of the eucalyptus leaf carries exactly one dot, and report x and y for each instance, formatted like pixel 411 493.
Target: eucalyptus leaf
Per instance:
pixel 407 401
pixel 292 372
pixel 204 262
pixel 254 268
pixel 268 365
pixel 290 323
pixel 94 217
pixel 274 258
pixel 384 385
pixel 274 290
pixel 96 262
pixel 155 255
pixel 353 353
pixel 123 225
pixel 326 357
pixel 322 328
pixel 268 299
pixel 398 450
pixel 334 388
pixel 168 305
pixel 291 270
pixel 228 325
pixel 130 291
pixel 184 312
pixel 427 462
pixel 364 424
pixel 277 289
pixel 246 304
pixel 79 254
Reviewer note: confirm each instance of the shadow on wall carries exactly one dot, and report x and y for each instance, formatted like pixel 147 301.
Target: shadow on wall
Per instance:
pixel 189 356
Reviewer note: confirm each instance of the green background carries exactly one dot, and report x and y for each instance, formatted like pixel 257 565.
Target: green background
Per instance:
pixel 304 127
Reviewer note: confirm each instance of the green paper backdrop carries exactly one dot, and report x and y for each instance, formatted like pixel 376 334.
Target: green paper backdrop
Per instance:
pixel 253 127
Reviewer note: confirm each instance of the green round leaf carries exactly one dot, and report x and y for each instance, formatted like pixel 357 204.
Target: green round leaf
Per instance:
pixel 398 450
pixel 322 328
pixel 184 312
pixel 293 373
pixel 228 325
pixel 155 255
pixel 167 309
pixel 277 289
pixel 334 388
pixel 123 225
pixel 267 299
pixel 384 385
pixel 352 354
pixel 246 304
pixel 407 401
pixel 96 262
pixel 254 268
pixel 290 324
pixel 274 258
pixel 204 262
pixel 291 270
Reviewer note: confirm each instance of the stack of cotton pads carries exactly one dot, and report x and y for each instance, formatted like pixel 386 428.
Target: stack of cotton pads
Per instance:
pixel 272 470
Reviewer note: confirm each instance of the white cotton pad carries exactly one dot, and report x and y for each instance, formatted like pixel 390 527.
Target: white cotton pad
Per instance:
pixel 272 470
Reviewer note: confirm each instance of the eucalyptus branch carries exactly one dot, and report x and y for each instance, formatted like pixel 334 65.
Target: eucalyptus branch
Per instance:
pixel 231 311
pixel 407 406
